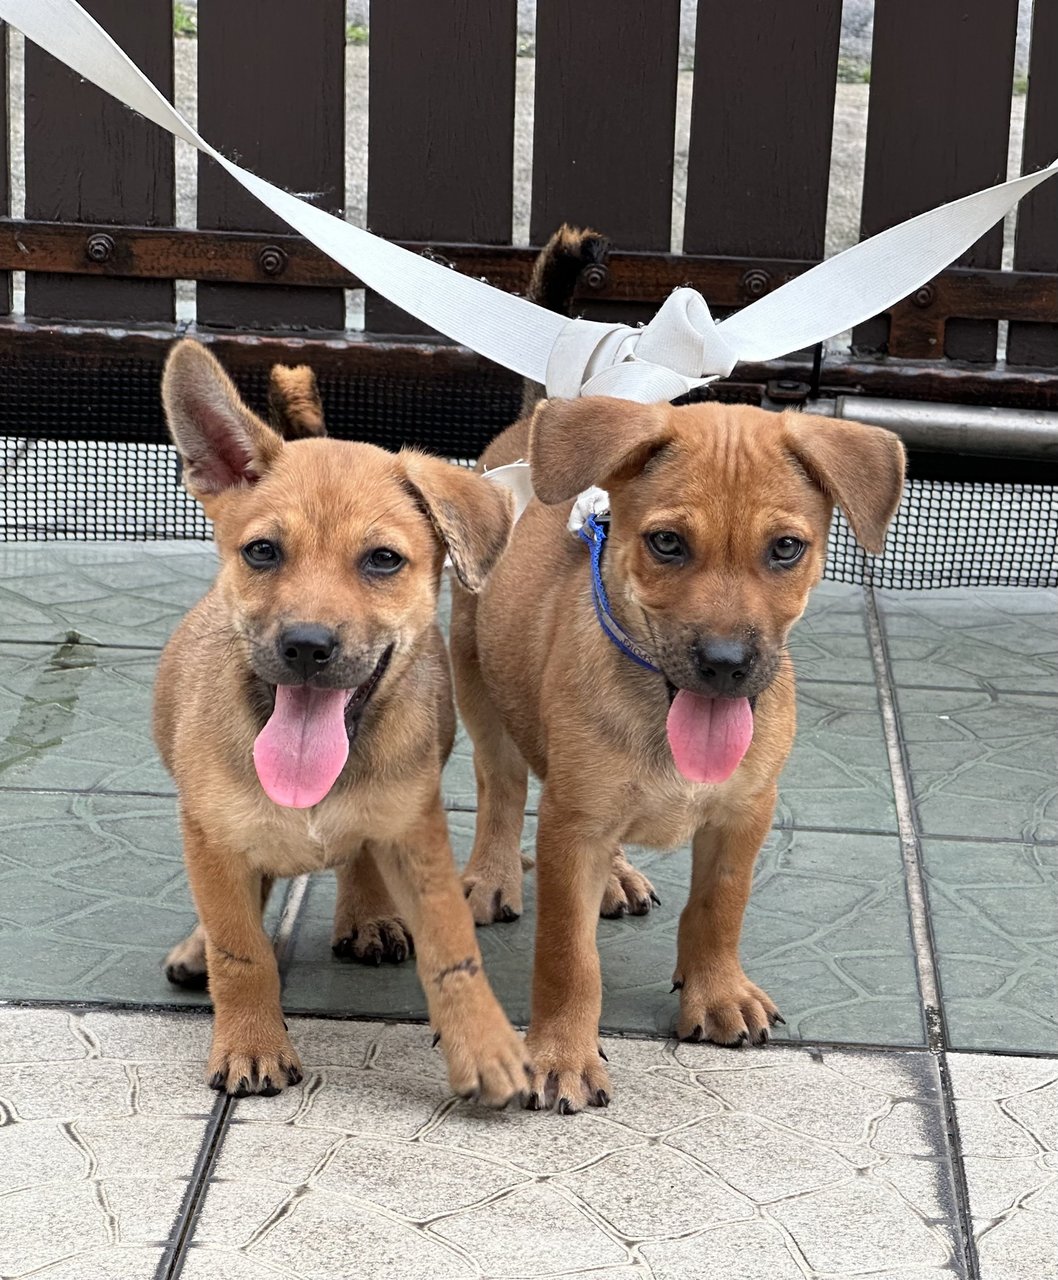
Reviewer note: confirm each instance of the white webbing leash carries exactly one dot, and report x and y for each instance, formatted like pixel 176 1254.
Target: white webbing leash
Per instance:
pixel 681 348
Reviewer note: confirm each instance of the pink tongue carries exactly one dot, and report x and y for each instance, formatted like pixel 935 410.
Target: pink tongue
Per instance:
pixel 304 746
pixel 708 736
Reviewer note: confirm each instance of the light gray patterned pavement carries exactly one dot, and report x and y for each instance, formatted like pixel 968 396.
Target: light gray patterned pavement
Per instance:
pixel 783 1162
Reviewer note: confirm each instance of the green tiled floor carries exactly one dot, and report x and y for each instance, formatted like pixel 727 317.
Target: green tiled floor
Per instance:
pixel 996 933
pixel 92 890
pixel 826 935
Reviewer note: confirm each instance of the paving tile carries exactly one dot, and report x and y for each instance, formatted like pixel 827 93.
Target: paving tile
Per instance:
pixel 994 913
pixel 984 638
pixel 92 1181
pixel 830 641
pixel 109 593
pixel 77 716
pixel 983 764
pixel 93 893
pixel 774 1161
pixel 826 934
pixel 1007 1110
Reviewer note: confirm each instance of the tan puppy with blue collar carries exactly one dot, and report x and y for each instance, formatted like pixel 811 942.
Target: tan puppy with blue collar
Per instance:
pixel 718 527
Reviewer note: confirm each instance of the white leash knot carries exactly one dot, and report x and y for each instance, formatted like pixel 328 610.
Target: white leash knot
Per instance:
pixel 681 348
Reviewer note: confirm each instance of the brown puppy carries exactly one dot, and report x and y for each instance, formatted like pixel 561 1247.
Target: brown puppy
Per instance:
pixel 718 530
pixel 367 927
pixel 304 710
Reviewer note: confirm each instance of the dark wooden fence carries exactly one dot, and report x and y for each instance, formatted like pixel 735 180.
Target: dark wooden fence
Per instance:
pixel 101 252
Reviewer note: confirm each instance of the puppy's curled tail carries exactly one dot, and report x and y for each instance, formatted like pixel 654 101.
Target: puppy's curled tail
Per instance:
pixel 558 267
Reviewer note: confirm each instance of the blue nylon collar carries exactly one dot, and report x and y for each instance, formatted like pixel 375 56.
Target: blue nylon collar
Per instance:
pixel 593 532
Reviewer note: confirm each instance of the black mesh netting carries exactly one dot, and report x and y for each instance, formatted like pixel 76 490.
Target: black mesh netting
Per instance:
pixel 120 481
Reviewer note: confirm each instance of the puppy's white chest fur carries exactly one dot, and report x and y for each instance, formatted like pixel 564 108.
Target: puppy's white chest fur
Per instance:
pixel 288 842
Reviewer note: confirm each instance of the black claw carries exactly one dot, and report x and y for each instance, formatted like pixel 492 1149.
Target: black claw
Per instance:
pixel 601 1099
pixel 642 907
pixel 565 1107
pixel 762 1037
pixel 268 1089
pixel 293 1075
pixel 776 1019
pixel 738 1041
pixel 603 1055
pixel 532 1103
pixel 508 914
pixel 398 955
pixel 242 1089
pixel 181 976
pixel 436 1040
pixel 655 899
pixel 616 914
pixel 216 1080
pixel 676 986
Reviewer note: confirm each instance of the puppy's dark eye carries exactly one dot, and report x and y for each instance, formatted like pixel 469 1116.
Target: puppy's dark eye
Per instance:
pixel 787 551
pixel 666 545
pixel 261 554
pixel 383 561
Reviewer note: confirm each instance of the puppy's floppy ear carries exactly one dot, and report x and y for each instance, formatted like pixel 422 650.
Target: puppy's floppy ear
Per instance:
pixel 473 516
pixel 294 405
pixel 222 444
pixel 577 443
pixel 860 468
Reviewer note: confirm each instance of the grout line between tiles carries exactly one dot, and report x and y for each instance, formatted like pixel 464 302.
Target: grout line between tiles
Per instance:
pixel 172 1262
pixel 921 928
pixel 84 642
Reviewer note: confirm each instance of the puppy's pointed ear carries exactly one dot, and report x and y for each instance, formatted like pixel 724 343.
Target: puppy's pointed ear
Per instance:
pixel 473 516
pixel 860 468
pixel 222 444
pixel 577 443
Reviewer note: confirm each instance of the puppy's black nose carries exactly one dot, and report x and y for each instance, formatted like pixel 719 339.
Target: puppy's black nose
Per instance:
pixel 306 648
pixel 724 665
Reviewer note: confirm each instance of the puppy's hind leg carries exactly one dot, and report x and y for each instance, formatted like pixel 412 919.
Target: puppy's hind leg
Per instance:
pixel 628 891
pixel 492 879
pixel 185 965
pixel 367 927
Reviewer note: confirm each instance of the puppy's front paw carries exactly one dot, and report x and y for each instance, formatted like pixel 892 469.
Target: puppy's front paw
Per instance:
pixel 486 1057
pixel 375 941
pixel 567 1077
pixel 628 891
pixel 261 1067
pixel 494 896
pixel 725 1007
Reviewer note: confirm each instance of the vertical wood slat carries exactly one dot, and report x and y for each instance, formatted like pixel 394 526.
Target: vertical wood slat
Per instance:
pixel 1036 243
pixel 90 159
pixel 605 119
pixel 440 129
pixel 937 129
pixel 761 125
pixel 5 167
pixel 271 95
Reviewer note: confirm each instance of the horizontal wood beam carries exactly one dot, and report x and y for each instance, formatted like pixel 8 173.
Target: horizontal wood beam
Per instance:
pixel 917 323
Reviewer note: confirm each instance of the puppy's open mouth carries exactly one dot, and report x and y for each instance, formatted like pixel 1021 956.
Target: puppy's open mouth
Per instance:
pixel 303 748
pixel 708 736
